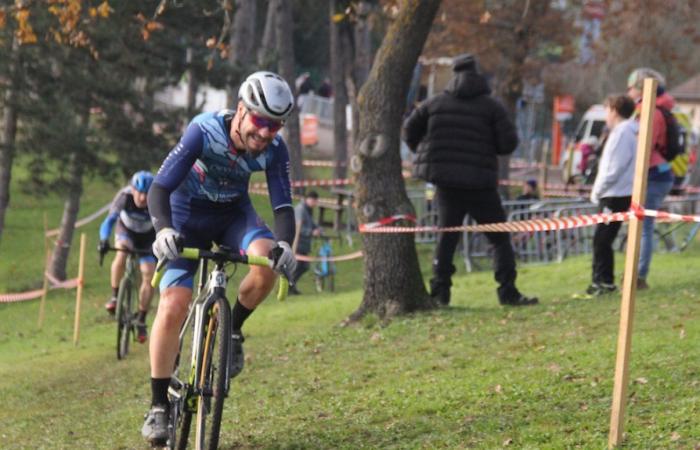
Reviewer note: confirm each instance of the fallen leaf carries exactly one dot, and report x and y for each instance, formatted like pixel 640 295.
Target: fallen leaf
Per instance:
pixel 497 389
pixel 507 442
pixel 675 436
pixel 682 333
pixel 641 380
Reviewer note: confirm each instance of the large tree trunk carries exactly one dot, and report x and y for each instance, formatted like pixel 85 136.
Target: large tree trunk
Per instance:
pixel 393 281
pixel 340 95
pixel 241 42
pixel 9 131
pixel 285 50
pixel 269 37
pixel 59 258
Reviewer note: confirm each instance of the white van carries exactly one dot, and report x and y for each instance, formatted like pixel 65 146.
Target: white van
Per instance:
pixel 589 130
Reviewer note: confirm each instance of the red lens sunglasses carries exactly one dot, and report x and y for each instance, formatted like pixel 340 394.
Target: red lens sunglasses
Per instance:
pixel 264 122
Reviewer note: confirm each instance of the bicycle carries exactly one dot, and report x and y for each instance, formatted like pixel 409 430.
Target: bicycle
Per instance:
pixel 125 313
pixel 201 387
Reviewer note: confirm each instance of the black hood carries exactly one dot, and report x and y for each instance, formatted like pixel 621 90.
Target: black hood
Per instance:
pixel 468 84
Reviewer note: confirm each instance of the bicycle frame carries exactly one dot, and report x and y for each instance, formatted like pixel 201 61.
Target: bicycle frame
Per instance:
pixel 215 288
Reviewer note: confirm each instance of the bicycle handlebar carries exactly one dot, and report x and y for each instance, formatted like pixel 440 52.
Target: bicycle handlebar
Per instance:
pixel 221 256
pixel 134 251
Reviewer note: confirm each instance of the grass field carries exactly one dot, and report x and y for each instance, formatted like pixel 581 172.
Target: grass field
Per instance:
pixel 474 375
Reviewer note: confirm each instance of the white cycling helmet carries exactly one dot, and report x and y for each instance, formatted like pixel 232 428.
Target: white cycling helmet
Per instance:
pixel 267 94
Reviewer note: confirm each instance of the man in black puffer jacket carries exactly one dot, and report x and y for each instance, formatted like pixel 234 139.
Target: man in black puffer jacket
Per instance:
pixel 457 136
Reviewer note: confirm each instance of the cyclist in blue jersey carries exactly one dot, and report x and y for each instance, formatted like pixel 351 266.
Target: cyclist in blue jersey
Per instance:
pixel 134 230
pixel 200 197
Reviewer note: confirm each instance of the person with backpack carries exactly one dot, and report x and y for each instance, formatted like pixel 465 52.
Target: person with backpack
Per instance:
pixel 664 148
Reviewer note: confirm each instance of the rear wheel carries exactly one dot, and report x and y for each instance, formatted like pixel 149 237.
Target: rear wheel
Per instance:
pixel 124 318
pixel 216 336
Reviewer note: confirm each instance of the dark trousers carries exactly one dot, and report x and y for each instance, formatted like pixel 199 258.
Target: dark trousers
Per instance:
pixel 484 206
pixel 605 234
pixel 302 267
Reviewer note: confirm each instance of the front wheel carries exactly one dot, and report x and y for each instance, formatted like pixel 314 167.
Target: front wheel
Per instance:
pixel 124 318
pixel 213 376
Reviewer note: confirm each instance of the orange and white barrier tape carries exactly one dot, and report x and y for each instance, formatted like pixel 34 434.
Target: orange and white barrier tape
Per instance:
pixel 545 224
pixel 307 183
pixel 31 295
pixel 348 257
pixel 388 220
pixel 321 163
pixel 83 221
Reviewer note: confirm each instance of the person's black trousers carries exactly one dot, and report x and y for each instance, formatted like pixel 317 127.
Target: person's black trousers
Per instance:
pixel 605 234
pixel 302 267
pixel 484 206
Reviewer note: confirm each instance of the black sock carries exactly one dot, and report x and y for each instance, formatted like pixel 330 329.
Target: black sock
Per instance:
pixel 239 315
pixel 159 391
pixel 142 316
pixel 115 291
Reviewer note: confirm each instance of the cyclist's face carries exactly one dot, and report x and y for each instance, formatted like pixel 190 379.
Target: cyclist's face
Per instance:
pixel 256 132
pixel 139 198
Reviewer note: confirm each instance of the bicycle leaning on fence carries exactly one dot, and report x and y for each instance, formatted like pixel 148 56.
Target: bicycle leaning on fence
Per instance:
pixel 127 299
pixel 200 381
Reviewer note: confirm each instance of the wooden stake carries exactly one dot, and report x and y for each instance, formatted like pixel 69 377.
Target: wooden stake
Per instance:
pixel 47 251
pixel 79 291
pixel 629 283
pixel 42 304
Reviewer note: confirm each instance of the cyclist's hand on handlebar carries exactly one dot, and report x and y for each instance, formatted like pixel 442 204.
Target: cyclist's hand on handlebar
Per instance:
pixel 283 259
pixel 167 244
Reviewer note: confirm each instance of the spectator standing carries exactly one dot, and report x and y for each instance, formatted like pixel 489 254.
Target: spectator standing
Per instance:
pixel 457 136
pixel 660 176
pixel 612 189
pixel 306 230
pixel 325 89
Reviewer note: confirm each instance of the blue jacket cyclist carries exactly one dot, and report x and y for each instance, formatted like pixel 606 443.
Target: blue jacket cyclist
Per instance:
pixel 199 197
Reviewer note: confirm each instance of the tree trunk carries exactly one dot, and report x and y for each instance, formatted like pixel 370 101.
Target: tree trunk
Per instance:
pixel 241 42
pixel 393 280
pixel 9 131
pixel 59 258
pixel 267 46
pixel 285 50
pixel 340 96
pixel 362 58
pixel 192 84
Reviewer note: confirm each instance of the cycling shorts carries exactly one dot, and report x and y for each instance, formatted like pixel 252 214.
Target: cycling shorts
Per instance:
pixel 139 241
pixel 203 223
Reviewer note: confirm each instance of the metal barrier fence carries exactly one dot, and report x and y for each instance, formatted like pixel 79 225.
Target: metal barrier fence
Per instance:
pixel 550 246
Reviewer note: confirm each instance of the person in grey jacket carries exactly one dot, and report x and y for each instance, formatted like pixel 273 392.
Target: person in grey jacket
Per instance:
pixel 457 136
pixel 306 230
pixel 612 189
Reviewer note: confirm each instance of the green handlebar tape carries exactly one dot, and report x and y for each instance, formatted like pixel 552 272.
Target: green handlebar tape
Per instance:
pixel 187 253
pixel 254 260
pixel 160 270
pixel 283 289
pixel 190 253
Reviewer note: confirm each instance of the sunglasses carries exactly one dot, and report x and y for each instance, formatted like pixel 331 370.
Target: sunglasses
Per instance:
pixel 264 122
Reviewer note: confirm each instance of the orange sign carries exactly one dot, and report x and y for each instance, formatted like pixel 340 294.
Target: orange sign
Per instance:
pixel 309 130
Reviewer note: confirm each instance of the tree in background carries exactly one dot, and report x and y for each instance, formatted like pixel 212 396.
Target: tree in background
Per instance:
pixel 393 281
pixel 655 33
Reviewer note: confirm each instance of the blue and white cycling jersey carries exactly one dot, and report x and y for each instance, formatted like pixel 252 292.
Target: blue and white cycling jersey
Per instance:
pixel 206 166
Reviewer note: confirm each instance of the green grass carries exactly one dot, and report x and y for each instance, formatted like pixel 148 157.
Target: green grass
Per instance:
pixel 471 376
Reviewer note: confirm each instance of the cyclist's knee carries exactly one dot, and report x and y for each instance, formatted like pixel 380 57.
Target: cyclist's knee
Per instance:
pixel 173 305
